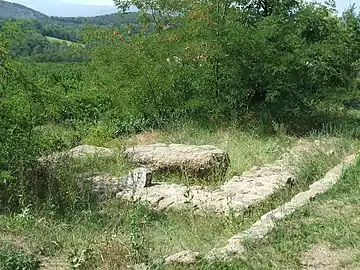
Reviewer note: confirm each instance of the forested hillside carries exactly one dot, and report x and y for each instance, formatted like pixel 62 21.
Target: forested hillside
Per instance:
pixel 33 41
pixel 16 11
pixel 116 19
pixel 252 77
pixel 67 28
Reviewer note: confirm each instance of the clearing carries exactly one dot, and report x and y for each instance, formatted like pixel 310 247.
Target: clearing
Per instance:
pixel 117 234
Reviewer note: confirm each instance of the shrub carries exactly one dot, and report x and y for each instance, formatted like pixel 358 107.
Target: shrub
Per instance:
pixel 11 259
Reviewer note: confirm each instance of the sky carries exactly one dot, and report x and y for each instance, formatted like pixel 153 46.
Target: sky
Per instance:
pixel 343 4
pixel 91 2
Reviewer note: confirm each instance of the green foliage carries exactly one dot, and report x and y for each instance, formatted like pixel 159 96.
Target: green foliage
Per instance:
pixel 11 259
pixel 32 44
pixel 284 62
pixel 140 248
pixel 27 102
pixel 285 59
pixel 19 111
pixel 80 259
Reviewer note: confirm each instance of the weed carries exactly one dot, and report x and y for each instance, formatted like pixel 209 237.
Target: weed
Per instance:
pixel 80 258
pixel 11 259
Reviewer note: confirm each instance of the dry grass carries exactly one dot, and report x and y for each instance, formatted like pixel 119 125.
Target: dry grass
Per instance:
pixel 117 234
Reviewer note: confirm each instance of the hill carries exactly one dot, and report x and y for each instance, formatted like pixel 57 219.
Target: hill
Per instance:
pixel 114 19
pixel 17 11
pixel 65 9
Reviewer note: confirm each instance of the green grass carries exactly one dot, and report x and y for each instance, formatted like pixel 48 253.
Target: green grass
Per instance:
pixel 16 258
pixel 114 234
pixel 54 39
pixel 332 220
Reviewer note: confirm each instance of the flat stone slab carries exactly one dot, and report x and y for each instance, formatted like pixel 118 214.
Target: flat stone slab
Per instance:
pixel 80 152
pixel 200 161
pixel 235 195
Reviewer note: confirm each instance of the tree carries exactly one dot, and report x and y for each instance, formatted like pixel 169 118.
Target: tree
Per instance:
pixel 287 59
pixel 266 8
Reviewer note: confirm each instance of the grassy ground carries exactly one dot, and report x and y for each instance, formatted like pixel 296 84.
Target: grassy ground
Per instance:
pixel 324 234
pixel 114 234
pixel 54 39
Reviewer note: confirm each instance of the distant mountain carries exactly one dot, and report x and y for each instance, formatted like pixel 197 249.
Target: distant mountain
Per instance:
pixel 66 28
pixel 16 11
pixel 114 19
pixel 60 8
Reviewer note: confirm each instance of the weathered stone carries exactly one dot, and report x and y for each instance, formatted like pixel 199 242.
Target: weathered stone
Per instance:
pixel 79 152
pixel 84 151
pixel 138 178
pixel 183 257
pixel 106 185
pixel 200 161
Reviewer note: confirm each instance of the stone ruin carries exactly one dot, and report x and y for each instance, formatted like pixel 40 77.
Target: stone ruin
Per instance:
pixel 234 196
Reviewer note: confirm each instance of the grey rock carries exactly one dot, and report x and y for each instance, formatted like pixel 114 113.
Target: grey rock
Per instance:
pixel 84 151
pixel 138 178
pixel 233 196
pixel 183 257
pixel 201 161
pixel 106 185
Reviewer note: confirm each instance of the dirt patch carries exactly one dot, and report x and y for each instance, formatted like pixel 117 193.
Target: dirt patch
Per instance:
pixel 323 257
pixel 53 264
pixel 16 240
pixel 331 208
